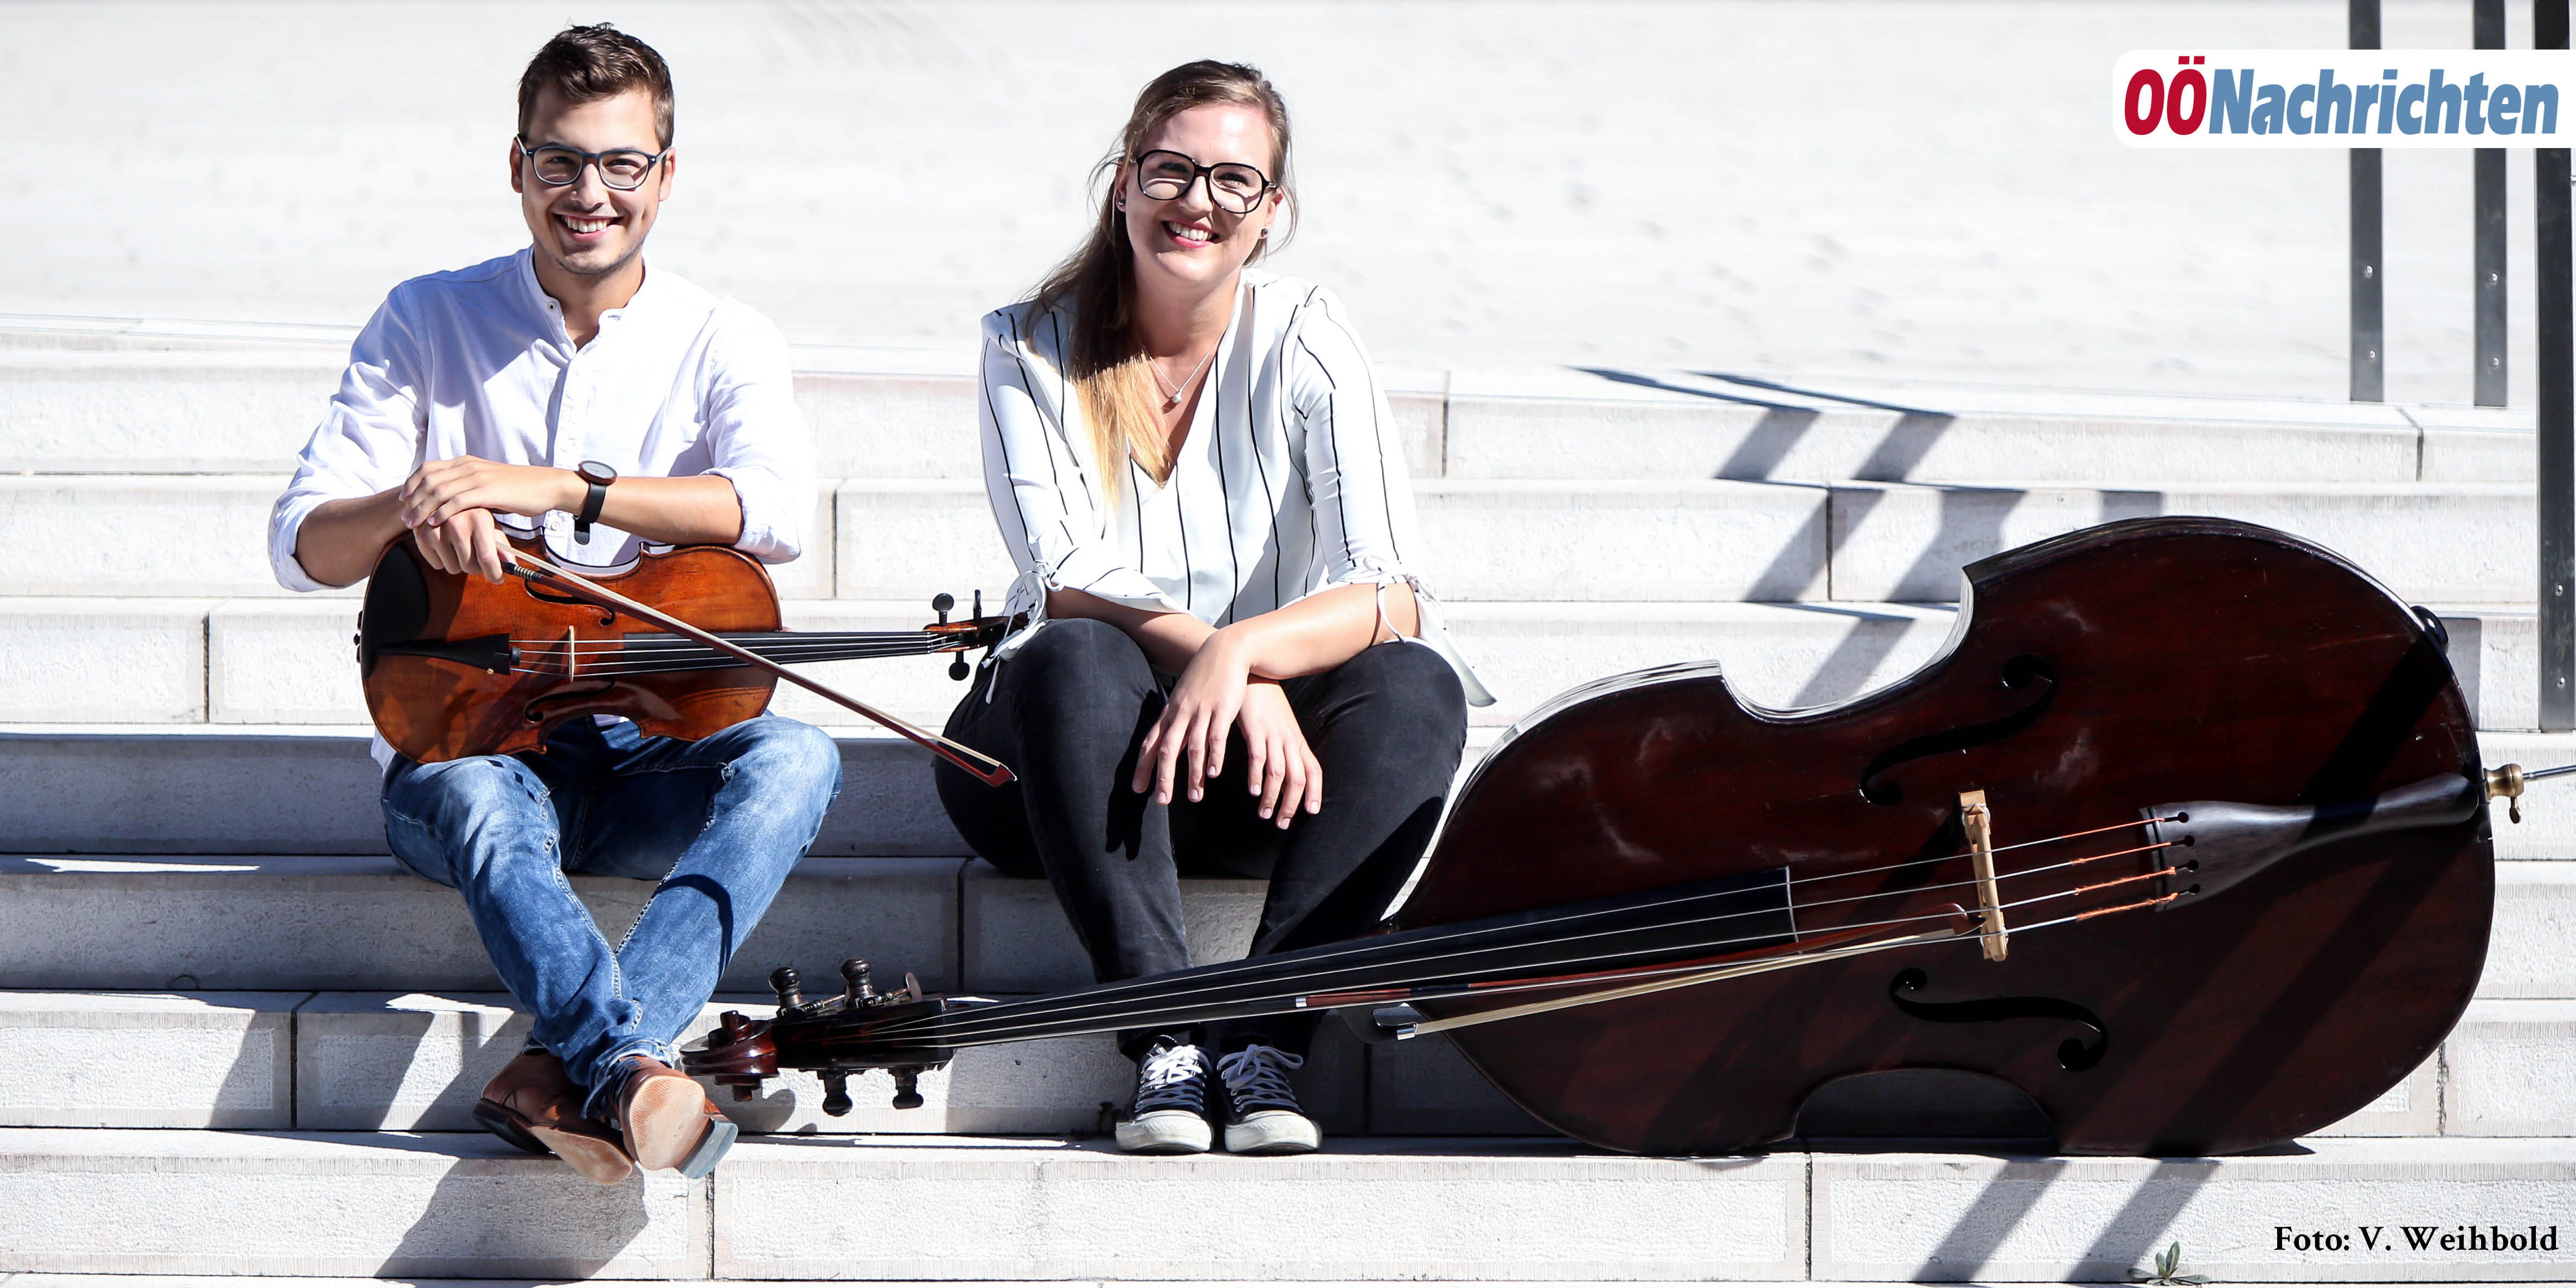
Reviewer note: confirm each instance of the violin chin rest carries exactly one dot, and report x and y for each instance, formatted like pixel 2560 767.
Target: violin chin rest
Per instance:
pixel 2211 846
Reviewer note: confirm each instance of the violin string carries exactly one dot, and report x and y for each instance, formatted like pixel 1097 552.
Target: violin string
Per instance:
pixel 1109 993
pixel 657 639
pixel 619 662
pixel 1161 1002
pixel 708 662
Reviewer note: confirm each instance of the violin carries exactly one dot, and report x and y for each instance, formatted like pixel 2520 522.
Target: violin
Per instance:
pixel 2184 834
pixel 454 665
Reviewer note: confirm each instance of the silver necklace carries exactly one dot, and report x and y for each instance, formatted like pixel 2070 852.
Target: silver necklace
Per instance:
pixel 1177 390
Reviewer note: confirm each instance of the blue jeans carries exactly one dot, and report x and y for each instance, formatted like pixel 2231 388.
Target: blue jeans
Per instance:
pixel 718 822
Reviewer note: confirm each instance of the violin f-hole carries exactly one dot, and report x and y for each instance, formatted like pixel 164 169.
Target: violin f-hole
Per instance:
pixel 2020 673
pixel 2074 1055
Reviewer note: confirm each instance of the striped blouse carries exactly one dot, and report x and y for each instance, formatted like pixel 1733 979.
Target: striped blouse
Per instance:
pixel 1290 480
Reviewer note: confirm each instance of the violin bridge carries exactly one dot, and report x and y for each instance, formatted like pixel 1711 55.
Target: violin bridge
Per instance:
pixel 572 651
pixel 1979 820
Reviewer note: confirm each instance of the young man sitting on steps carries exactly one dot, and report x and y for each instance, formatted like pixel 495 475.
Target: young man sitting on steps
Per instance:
pixel 567 383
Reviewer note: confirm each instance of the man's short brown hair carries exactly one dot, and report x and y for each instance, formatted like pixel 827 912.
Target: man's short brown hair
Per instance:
pixel 585 64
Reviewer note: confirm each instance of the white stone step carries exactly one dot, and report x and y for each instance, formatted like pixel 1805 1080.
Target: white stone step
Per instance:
pixel 2464 543
pixel 1719 540
pixel 142 411
pixel 344 1061
pixel 1933 1217
pixel 1628 424
pixel 985 1208
pixel 248 411
pixel 289 661
pixel 366 1204
pixel 234 923
pixel 202 535
pixel 312 789
pixel 363 922
pixel 1567 540
pixel 414 1061
pixel 1574 539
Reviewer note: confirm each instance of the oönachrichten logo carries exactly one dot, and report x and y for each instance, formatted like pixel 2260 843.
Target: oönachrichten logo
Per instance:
pixel 2344 98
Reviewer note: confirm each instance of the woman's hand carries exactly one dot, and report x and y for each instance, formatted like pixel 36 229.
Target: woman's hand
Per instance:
pixel 440 490
pixel 1195 719
pixel 1279 767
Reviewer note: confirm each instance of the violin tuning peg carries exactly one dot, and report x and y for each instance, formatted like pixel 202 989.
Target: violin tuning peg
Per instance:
pixel 855 973
pixel 957 668
pixel 941 603
pixel 784 981
pixel 907 1092
pixel 836 1094
pixel 979 603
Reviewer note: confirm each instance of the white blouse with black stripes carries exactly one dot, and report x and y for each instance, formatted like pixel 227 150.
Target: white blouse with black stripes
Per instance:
pixel 1289 481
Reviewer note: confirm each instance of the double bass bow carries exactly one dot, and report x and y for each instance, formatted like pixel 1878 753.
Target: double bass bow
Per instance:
pixel 2183 834
pixel 453 665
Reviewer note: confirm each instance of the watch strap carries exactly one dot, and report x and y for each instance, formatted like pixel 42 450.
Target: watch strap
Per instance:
pixel 591 502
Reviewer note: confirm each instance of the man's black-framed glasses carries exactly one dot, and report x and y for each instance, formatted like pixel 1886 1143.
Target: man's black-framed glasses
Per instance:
pixel 1234 187
pixel 624 169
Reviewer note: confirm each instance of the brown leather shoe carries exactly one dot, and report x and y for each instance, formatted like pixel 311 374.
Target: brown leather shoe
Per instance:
pixel 669 1122
pixel 534 1105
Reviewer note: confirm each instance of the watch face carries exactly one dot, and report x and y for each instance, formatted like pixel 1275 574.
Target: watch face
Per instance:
pixel 594 472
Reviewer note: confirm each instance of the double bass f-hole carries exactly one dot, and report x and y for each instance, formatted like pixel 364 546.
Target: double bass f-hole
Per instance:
pixel 2074 1055
pixel 2026 672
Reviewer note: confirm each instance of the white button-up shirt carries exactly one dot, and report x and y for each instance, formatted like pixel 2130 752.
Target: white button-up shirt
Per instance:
pixel 476 362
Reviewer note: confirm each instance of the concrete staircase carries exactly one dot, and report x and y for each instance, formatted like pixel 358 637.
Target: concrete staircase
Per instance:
pixel 243 1041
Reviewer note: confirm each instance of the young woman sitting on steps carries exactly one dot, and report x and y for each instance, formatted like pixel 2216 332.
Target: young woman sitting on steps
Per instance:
pixel 1198 479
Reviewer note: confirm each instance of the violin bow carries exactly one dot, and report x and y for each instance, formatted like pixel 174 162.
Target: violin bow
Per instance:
pixel 983 767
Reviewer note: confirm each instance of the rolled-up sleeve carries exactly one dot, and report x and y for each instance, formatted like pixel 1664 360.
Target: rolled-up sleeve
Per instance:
pixel 757 439
pixel 1362 498
pixel 369 441
pixel 1042 502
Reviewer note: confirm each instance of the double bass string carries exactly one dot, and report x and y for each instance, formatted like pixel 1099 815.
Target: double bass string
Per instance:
pixel 975 1028
pixel 988 1027
pixel 1103 993
pixel 1112 994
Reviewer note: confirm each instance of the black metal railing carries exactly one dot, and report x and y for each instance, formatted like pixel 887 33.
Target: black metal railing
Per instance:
pixel 2554 329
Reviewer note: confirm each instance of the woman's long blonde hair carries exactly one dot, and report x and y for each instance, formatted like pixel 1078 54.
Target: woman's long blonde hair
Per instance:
pixel 1103 358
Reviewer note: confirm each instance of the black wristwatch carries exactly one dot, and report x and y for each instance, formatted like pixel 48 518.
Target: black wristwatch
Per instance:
pixel 598 476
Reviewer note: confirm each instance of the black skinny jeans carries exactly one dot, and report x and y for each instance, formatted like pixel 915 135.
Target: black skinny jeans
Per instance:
pixel 1066 714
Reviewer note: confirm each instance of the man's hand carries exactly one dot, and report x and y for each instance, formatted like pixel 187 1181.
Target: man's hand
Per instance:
pixel 440 491
pixel 468 543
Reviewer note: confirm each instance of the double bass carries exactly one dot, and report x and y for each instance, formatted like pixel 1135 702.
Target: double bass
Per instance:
pixel 2183 833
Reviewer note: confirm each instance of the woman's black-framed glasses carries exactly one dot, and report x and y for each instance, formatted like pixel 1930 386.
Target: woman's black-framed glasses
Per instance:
pixel 624 169
pixel 1234 187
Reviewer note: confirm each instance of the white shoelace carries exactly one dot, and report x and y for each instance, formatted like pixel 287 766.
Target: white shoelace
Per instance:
pixel 1172 1078
pixel 1257 1077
